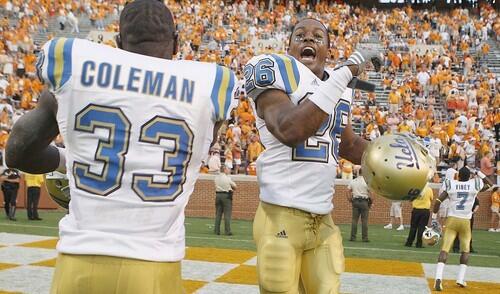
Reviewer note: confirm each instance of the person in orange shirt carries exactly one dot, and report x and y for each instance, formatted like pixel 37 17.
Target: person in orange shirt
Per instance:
pixel 347 168
pixel 422 130
pixel 255 148
pixel 495 210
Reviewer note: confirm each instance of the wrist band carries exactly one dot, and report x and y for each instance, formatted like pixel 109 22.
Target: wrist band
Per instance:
pixel 439 200
pixel 481 175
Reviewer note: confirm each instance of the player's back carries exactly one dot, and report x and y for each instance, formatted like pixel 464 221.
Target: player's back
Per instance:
pixel 135 129
pixel 462 196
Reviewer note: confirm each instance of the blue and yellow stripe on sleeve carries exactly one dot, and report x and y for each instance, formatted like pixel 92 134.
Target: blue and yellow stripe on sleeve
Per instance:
pixel 222 91
pixel 59 61
pixel 289 72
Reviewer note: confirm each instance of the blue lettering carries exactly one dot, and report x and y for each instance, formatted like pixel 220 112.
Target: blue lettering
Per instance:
pixel 187 91
pixel 87 80
pixel 133 77
pixel 104 75
pixel 171 91
pixel 152 85
pixel 116 79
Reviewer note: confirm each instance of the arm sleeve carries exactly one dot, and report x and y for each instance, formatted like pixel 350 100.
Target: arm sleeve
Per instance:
pixel 273 71
pixel 54 63
pixel 223 95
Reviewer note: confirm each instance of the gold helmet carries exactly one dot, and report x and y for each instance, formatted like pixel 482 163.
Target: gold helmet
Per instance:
pixel 397 166
pixel 431 236
pixel 58 188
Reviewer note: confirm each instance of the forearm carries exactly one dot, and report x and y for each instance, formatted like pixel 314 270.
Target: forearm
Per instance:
pixel 353 150
pixel 290 128
pixel 437 204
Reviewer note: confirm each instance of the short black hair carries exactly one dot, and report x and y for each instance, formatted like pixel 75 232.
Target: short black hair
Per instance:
pixel 464 174
pixel 146 21
pixel 310 18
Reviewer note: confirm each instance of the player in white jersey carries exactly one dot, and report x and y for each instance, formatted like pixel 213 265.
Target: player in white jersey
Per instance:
pixel 135 126
pixel 303 114
pixel 461 195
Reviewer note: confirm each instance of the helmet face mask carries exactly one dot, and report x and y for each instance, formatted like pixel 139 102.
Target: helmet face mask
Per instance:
pixel 58 188
pixel 397 167
pixel 431 236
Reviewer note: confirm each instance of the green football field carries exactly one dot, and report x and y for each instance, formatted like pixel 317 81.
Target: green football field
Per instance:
pixel 385 244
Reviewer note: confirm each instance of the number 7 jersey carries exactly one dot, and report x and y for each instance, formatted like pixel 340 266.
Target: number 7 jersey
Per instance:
pixel 303 176
pixel 462 196
pixel 136 129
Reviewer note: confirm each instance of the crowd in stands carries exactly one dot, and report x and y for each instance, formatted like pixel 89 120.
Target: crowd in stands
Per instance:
pixel 436 80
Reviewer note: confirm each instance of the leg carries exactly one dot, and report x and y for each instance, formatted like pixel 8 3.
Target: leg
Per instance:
pixel 423 221
pixel 413 229
pixel 278 258
pixel 6 200
pixel 82 274
pixel 228 207
pixel 29 208
pixel 355 218
pixel 322 266
pixel 13 200
pixel 364 220
pixel 35 203
pixel 218 213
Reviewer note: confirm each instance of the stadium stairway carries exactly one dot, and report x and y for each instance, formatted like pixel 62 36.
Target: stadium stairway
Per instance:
pixel 84 26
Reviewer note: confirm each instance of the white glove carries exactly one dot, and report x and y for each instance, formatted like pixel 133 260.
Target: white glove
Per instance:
pixel 362 57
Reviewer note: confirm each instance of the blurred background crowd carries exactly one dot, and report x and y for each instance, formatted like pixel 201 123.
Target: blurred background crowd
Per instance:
pixel 441 81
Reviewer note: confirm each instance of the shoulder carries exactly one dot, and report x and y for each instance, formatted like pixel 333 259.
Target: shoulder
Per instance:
pixel 272 71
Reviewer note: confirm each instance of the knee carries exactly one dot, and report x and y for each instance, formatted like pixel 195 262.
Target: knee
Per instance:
pixel 276 265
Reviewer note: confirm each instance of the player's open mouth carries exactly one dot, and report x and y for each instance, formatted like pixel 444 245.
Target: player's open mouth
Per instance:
pixel 308 54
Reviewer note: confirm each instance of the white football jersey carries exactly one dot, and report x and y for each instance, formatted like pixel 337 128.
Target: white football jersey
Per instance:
pixel 462 196
pixel 136 129
pixel 303 176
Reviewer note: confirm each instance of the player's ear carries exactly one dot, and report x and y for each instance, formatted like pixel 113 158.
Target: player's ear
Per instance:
pixel 118 41
pixel 175 44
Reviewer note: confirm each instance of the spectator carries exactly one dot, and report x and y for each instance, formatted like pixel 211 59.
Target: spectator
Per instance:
pixel 10 185
pixel 33 183
pixel 254 149
pixel 361 203
pixel 394 213
pixel 224 188
pixel 495 204
pixel 487 167
pixel 214 163
pixel 420 217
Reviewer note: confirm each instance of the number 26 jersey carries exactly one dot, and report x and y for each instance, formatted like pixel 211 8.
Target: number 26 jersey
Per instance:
pixel 302 176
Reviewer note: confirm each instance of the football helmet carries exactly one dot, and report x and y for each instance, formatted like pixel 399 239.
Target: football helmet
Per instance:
pixel 431 236
pixel 58 188
pixel 397 166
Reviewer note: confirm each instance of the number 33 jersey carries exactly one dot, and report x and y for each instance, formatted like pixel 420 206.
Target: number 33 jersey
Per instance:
pixel 303 176
pixel 136 129
pixel 462 196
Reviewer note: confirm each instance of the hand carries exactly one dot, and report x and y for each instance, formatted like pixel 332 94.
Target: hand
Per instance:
pixel 360 58
pixel 435 224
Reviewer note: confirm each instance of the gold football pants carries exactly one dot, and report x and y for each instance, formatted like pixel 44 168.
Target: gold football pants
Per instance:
pixel 86 274
pixel 296 249
pixel 454 226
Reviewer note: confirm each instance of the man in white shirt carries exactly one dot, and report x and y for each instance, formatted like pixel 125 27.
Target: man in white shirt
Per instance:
pixel 224 188
pixel 435 146
pixel 423 78
pixel 361 203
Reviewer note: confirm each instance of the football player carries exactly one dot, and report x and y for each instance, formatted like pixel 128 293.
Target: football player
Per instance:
pixel 303 118
pixel 462 194
pixel 135 125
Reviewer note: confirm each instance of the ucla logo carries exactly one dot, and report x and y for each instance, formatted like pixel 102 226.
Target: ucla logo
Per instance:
pixel 407 156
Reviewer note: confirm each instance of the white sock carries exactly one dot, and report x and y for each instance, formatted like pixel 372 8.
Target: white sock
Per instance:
pixel 439 270
pixel 461 272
